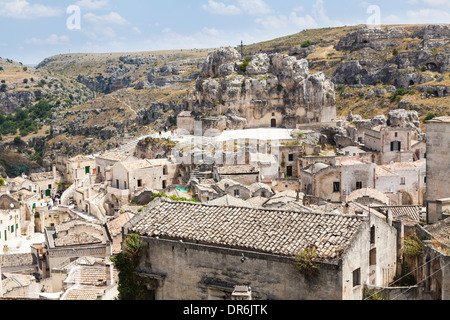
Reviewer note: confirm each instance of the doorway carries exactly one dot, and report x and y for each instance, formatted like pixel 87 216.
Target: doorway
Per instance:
pixel 273 123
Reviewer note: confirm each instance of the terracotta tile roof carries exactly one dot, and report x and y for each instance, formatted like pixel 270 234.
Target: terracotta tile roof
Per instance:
pixel 76 239
pixel 90 276
pixel 238 169
pixel 276 232
pixel 83 293
pixel 258 185
pixel 115 226
pixel 229 201
pixel 44 176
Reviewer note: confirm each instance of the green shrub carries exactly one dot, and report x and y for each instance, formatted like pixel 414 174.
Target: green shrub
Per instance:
pixel 306 44
pixel 413 246
pixel 430 116
pixel 304 262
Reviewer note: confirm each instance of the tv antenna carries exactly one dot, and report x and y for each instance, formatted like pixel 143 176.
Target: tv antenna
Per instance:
pixel 242 48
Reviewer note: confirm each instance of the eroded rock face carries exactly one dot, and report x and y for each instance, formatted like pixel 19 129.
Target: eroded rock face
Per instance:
pixel 374 38
pixel 218 58
pixel 403 69
pixel 261 91
pixel 403 118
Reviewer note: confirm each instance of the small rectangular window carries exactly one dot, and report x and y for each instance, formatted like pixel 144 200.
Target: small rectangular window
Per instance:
pixel 357 277
pixel 336 187
pixel 236 193
pixel 291 157
pixel 359 185
pixel 403 181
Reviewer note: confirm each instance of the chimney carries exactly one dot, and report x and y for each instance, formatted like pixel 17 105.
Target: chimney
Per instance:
pixel 109 273
pixel 242 293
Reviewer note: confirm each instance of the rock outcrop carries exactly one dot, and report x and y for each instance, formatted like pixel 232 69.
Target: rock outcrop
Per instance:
pixel 404 68
pixel 265 90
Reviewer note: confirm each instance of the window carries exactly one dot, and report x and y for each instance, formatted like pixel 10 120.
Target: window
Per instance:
pixel 425 180
pixel 263 194
pixel 396 134
pixel 372 235
pixel 117 184
pixel 291 157
pixel 396 146
pixel 359 185
pixel 236 193
pixel 357 277
pixel 49 186
pixel 289 171
pixel 139 183
pixel 402 181
pixel 336 187
pixel 373 257
pixel 124 185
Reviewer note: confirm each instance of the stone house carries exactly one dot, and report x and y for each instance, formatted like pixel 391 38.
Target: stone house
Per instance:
pixel 205 192
pixel 46 183
pixel 74 239
pixel 259 189
pixel 267 164
pixel 233 188
pixel 413 181
pixel 393 143
pixel 200 252
pixel 20 183
pixel 78 168
pixel 136 174
pixel 288 159
pixel 85 278
pixel 334 182
pixel 245 174
pixel 10 218
pixel 438 159
pixel 106 160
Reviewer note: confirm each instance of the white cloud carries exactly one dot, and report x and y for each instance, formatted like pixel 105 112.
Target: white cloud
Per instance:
pixel 22 9
pixel 211 31
pixel 252 7
pixel 220 8
pixel 136 30
pixel 437 3
pixel 290 23
pixel 392 19
pixel 52 39
pixel 101 27
pixel 428 16
pixel 255 7
pixel 92 4
pixel 111 18
pixel 321 16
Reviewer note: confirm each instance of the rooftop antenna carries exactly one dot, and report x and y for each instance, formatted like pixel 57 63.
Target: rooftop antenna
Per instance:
pixel 242 48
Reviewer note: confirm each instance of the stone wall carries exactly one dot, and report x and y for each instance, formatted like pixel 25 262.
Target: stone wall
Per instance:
pixel 438 159
pixel 204 270
pixel 16 260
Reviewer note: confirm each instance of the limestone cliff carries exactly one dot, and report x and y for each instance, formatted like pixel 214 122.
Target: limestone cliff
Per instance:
pixel 261 90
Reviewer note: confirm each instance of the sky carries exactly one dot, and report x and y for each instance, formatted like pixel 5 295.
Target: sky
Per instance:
pixel 32 30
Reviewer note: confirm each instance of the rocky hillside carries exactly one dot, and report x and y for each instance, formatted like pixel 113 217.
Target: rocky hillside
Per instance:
pixel 136 93
pixel 96 98
pixel 377 70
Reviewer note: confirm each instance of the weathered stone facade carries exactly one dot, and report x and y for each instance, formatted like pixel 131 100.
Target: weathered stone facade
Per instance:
pixel 262 91
pixel 438 159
